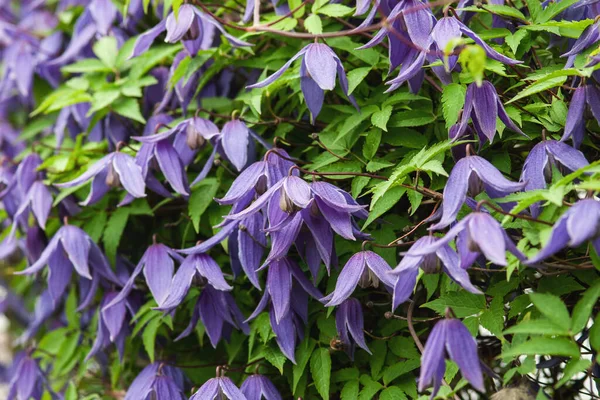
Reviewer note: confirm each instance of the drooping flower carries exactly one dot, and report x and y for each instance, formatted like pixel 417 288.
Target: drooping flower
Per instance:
pixel 349 322
pixel 470 176
pixel 27 381
pixel 195 266
pixel 39 201
pixel 317 73
pixel 484 107
pixel 444 258
pixel 219 315
pixel 189 27
pixel 72 249
pixel 537 169
pixel 365 269
pixel 157 381
pixel 113 170
pixel 589 37
pixel 576 226
pixel 257 387
pixel 575 124
pixel 217 389
pixel 158 265
pixel 449 338
pixel 112 325
pixel 484 235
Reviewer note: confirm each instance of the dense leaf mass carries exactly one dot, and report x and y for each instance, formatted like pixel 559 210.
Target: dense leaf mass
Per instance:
pixel 288 199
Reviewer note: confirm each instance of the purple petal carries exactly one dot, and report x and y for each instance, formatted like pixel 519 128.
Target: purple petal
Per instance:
pixel 171 166
pixel 114 317
pixel 348 279
pixel 297 190
pixel 178 26
pixel 208 391
pixel 90 173
pixel 485 106
pixel 60 270
pixel 209 269
pixel 462 349
pixel 77 246
pixel 487 233
pixel 450 260
pixel 235 137
pixel 230 390
pixel 321 65
pixel 180 285
pixel 455 192
pixel 433 356
pixel 279 72
pixel 491 176
pixel 244 183
pixel 313 94
pixel 130 174
pixel 583 221
pixel 158 271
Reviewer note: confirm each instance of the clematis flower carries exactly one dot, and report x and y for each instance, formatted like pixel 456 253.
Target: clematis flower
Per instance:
pixel 195 267
pixel 317 74
pixel 27 381
pixel 217 389
pixel 406 272
pixel 484 107
pixel 113 170
pixel 157 263
pixel 290 329
pixel 189 27
pixel 350 324
pixel 589 37
pixel 537 169
pixel 575 125
pixel 157 381
pixel 38 201
pixel 257 387
pixel 449 338
pixel 470 176
pixel 112 326
pixel 219 315
pixel 365 269
pixel 71 249
pixel 484 235
pixel 576 226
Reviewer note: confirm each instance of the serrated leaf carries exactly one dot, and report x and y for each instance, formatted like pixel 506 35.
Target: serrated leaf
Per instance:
pixel 275 357
pixel 453 100
pixel 350 391
pixel 544 346
pixel 381 117
pixel 129 108
pixel 303 353
pixel 462 303
pixel 202 197
pixel 149 336
pixel 356 76
pixel 335 10
pixel 387 201
pixel 313 24
pixel 114 231
pixel 583 309
pixel 106 50
pixel 399 369
pixel 552 307
pixel 537 327
pixel 320 369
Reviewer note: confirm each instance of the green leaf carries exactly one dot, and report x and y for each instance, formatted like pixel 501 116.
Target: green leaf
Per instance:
pixel 372 141
pixel 539 86
pixel 356 76
pixel 462 303
pixel 114 231
pixel 583 309
pixel 434 166
pixel 71 393
pixel 275 357
pixel 303 353
pixel 572 368
pixel 149 336
pixel 377 358
pixel 354 121
pixel 313 24
pixel 543 346
pixel 103 99
pixel 350 391
pixel 106 50
pixel 87 65
pixel 408 119
pixel 380 118
pixel 595 334
pixel 453 100
pixel 335 10
pixel 553 9
pixel 552 307
pixel 392 393
pixel 399 369
pixel 179 72
pixel 389 199
pixel 202 197
pixel 537 327
pixel 505 11
pixel 320 369
pixel 129 108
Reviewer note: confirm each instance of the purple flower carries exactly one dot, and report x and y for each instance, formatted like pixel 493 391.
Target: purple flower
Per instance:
pixel 408 269
pixel 484 107
pixel 157 381
pixel 317 74
pixel 112 170
pixel 575 125
pixel 449 338
pixel 217 389
pixel 484 235
pixel 576 226
pixel 365 269
pixel 537 169
pixel 191 27
pixel 112 326
pixel 199 267
pixel 158 265
pixel 472 175
pixel 257 387
pixel 27 381
pixel 350 325
pixel 219 315
pixel 71 249
pixel 39 201
pixel 589 37
pixel 281 8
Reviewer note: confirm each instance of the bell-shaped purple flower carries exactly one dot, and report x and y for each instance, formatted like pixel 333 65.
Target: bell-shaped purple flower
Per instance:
pixel 27 380
pixel 113 170
pixel 39 201
pixel 484 235
pixel 157 381
pixel 219 315
pixel 158 265
pixel 112 326
pixel 365 269
pixel 217 389
pixel 444 258
pixel 449 338
pixel 470 176
pixel 72 249
pixel 257 387
pixel 589 37
pixel 189 27
pixel 575 125
pixel 317 73
pixel 537 169
pixel 199 267
pixel 576 226
pixel 484 107
pixel 349 322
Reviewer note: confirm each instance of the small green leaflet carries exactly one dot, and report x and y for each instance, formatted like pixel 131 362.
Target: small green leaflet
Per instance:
pixel 320 369
pixel 202 197
pixel 543 346
pixel 381 117
pixel 453 100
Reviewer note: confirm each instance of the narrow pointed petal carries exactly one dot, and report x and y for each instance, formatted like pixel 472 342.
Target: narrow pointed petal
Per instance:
pixel 252 242
pixel 234 140
pixel 488 234
pixel 114 317
pixel 232 39
pixel 494 178
pixel 208 391
pixel 433 355
pixel 158 271
pixel 462 349
pixel 178 26
pixel 485 106
pixel 450 261
pixel 297 190
pixel 455 192
pixel 98 189
pixel 130 174
pixel 230 390
pixel 491 53
pixel 380 267
pixel 285 333
pixel 313 94
pixel 60 270
pixel 180 284
pixel 244 183
pixel 278 73
pixel 143 42
pixel 89 174
pixel 583 221
pixel 569 157
pixel 321 65
pixel 559 239
pixel 209 269
pixel 348 279
pixel 77 246
pixel 171 166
